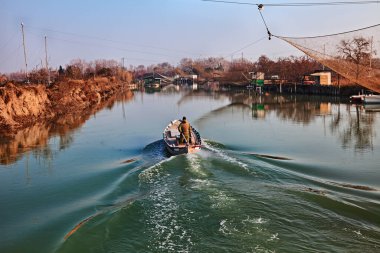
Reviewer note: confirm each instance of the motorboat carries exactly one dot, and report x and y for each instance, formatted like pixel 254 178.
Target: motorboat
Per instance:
pixel 357 99
pixel 371 99
pixel 172 136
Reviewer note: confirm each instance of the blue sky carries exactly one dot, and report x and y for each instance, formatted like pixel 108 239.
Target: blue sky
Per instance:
pixel 153 31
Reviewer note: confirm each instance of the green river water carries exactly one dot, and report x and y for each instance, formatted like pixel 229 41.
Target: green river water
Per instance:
pixel 276 174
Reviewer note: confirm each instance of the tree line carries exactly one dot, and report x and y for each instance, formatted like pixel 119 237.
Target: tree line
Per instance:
pixel 290 69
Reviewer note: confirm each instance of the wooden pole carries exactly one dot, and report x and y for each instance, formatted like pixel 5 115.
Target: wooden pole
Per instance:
pixel 23 43
pixel 46 62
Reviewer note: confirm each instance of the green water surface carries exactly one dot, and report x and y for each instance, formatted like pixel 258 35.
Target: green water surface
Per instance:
pixel 276 174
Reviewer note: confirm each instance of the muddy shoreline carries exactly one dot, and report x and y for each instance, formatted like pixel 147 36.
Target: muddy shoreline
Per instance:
pixel 31 114
pixel 22 106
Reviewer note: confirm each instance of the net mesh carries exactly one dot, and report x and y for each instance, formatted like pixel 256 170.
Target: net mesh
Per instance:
pixel 351 54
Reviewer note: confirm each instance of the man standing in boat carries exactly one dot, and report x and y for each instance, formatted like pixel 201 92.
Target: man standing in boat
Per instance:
pixel 185 130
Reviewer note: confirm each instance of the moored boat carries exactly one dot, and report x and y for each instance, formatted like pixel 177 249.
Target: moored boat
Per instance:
pixel 371 99
pixel 171 136
pixel 357 99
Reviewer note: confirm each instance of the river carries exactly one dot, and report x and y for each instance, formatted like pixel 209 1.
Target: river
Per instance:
pixel 275 174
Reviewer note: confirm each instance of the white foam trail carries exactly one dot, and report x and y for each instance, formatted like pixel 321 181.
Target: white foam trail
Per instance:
pixel 201 184
pixel 255 220
pixel 273 237
pixel 195 165
pixel 164 220
pixel 224 228
pixel 261 249
pixel 163 211
pixel 150 173
pixel 227 157
pixel 221 200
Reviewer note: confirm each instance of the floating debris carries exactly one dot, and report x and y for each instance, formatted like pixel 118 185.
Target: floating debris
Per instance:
pixel 80 224
pixel 308 189
pixel 271 157
pixel 357 187
pixel 129 160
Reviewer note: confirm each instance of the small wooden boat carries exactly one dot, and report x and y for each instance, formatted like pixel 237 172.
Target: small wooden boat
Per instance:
pixel 357 99
pixel 371 99
pixel 171 136
pixel 366 99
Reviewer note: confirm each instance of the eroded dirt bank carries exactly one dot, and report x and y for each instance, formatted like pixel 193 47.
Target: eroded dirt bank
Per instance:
pixel 30 115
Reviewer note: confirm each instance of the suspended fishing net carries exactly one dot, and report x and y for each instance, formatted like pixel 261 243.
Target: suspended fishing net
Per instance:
pixel 353 54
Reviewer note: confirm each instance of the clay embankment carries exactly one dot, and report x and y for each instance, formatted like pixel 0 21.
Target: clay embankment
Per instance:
pixel 30 115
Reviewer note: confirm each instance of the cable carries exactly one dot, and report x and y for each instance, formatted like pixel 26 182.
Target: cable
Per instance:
pixel 158 55
pixel 298 4
pixel 8 56
pixel 250 44
pixel 9 40
pixel 327 35
pixel 104 39
pixel 102 46
pixel 260 7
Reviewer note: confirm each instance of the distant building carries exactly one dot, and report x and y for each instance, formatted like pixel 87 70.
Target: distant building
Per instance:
pixel 274 77
pixel 318 78
pixel 155 80
pixel 257 75
pixel 186 80
pixel 322 77
pixel 308 80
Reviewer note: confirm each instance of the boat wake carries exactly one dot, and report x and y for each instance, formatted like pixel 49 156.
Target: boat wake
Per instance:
pixel 221 152
pixel 155 152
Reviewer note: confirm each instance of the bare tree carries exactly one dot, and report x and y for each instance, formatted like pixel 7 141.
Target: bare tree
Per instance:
pixel 356 51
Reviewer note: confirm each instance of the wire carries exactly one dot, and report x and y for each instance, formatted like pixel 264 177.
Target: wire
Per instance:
pixel 328 35
pixel 250 44
pixel 102 46
pixel 8 56
pixel 104 39
pixel 93 43
pixel 260 7
pixel 158 55
pixel 298 4
pixel 110 47
pixel 9 40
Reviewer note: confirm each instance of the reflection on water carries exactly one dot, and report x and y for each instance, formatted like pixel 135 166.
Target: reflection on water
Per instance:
pixel 288 163
pixel 353 125
pixel 354 128
pixel 36 138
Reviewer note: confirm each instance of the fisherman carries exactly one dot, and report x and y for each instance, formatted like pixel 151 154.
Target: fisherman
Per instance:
pixel 184 129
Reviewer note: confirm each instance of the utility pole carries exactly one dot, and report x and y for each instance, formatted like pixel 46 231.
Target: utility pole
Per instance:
pixel 324 54
pixel 46 61
pixel 122 60
pixel 23 43
pixel 370 54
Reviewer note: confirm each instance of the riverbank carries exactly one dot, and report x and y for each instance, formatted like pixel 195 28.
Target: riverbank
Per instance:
pixel 344 91
pixel 22 106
